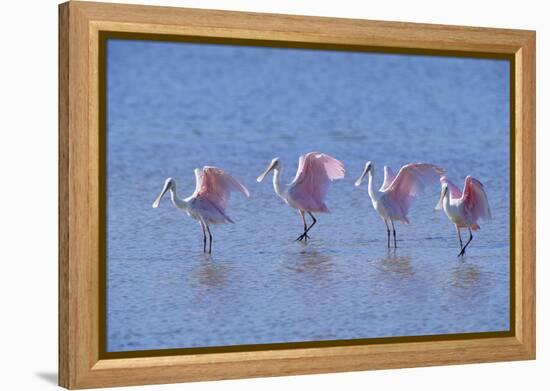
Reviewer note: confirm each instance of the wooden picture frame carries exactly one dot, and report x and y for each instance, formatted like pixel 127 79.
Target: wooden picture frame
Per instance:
pixel 81 25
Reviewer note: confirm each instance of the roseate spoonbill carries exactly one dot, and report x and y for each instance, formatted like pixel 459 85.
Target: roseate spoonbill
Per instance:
pixel 309 188
pixel 207 204
pixel 464 208
pixel 393 200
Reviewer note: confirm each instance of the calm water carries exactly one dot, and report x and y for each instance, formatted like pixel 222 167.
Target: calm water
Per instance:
pixel 174 107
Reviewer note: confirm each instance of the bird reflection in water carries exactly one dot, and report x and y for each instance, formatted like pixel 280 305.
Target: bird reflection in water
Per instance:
pixel 311 261
pixel 396 265
pixel 211 273
pixel 464 276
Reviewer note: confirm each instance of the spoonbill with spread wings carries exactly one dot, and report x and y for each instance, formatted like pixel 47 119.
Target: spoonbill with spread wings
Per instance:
pixel 308 190
pixel 207 204
pixel 464 208
pixel 393 200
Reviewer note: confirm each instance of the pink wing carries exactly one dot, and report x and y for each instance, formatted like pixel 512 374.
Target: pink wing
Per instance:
pixel 474 198
pixel 216 185
pixel 315 172
pixel 455 192
pixel 410 181
pixel 389 176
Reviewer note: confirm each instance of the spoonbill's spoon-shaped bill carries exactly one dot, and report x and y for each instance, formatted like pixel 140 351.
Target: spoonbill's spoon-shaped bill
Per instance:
pixel 208 202
pixel 393 199
pixel 269 168
pixel 308 190
pixel 165 188
pixel 464 208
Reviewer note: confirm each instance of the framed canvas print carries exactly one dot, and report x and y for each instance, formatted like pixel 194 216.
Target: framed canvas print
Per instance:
pixel 248 195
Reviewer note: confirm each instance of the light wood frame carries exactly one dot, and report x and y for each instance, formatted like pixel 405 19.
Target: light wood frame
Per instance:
pixel 80 167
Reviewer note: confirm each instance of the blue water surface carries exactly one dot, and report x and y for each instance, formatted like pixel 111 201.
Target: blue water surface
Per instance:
pixel 172 107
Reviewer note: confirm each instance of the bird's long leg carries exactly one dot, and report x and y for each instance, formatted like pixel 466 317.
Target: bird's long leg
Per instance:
pixel 394 237
pixel 304 235
pixel 210 235
pixel 388 231
pixel 312 224
pixel 306 228
pixel 463 251
pixel 203 236
pixel 459 236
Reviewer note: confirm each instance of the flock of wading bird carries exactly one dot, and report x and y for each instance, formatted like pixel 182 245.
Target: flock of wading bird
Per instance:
pixel 308 190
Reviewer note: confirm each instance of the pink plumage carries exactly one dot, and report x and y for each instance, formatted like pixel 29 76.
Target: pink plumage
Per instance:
pixel 408 184
pixel 208 202
pixel 389 176
pixel 393 200
pixel 216 186
pixel 471 203
pixel 309 188
pixel 476 205
pixel 455 192
pixel 464 208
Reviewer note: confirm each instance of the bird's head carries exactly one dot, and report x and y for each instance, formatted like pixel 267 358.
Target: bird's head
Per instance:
pixel 169 184
pixel 272 165
pixel 369 167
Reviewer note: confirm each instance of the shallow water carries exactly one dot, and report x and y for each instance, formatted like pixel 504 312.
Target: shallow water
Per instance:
pixel 174 107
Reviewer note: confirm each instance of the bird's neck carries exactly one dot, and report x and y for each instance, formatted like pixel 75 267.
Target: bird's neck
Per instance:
pixel 277 172
pixel 446 201
pixel 373 192
pixel 178 202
